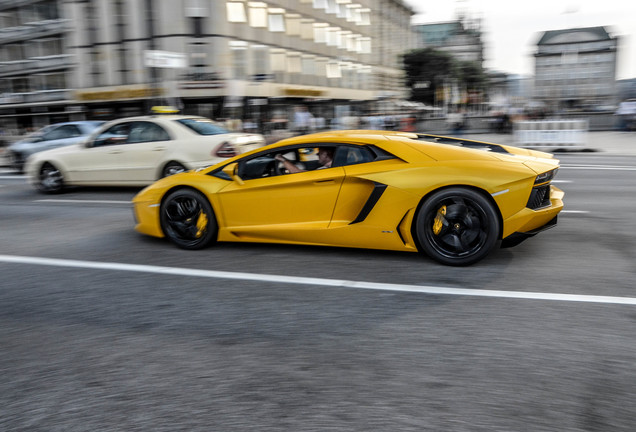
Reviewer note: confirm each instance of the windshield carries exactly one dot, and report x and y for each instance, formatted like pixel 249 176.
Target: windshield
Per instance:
pixel 203 126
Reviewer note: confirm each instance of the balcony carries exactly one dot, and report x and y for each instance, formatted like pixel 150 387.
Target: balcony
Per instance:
pixel 9 4
pixel 36 64
pixel 36 96
pixel 34 30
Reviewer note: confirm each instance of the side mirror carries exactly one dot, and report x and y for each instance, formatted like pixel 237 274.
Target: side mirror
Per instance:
pixel 232 171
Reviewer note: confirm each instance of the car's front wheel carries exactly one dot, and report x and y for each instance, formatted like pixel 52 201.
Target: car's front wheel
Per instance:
pixel 187 219
pixel 50 179
pixel 457 226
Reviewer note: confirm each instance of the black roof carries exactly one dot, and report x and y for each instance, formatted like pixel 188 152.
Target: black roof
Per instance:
pixel 599 33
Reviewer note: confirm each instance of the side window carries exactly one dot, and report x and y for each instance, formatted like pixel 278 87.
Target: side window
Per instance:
pixel 117 134
pixel 352 155
pixel 288 161
pixel 258 167
pixel 141 132
pixel 62 132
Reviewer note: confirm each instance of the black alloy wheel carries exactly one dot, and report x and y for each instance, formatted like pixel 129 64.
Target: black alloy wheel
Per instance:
pixel 50 179
pixel 457 226
pixel 172 168
pixel 187 219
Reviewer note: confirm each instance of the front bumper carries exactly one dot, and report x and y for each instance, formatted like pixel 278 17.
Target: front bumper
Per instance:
pixel 516 238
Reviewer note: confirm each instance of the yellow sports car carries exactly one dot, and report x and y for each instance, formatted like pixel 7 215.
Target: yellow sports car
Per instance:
pixel 451 198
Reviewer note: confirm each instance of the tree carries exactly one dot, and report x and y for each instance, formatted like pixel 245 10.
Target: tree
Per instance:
pixel 426 70
pixel 430 72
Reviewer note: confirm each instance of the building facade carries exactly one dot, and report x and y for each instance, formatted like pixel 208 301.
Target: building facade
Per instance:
pixel 101 59
pixel 575 69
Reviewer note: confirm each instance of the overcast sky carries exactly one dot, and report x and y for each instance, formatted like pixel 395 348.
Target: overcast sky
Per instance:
pixel 511 29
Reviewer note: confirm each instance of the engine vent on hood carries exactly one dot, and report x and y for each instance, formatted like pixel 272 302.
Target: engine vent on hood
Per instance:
pixel 463 143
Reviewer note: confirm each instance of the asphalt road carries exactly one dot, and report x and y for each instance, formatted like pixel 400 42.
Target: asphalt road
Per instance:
pixel 534 338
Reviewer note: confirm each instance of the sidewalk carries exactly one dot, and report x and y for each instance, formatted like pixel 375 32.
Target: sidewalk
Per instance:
pixel 610 142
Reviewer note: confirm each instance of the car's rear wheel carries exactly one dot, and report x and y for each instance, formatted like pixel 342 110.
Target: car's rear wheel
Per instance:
pixel 187 219
pixel 50 179
pixel 172 168
pixel 457 226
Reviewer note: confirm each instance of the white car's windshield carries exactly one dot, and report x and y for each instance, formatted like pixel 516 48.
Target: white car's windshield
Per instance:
pixel 203 126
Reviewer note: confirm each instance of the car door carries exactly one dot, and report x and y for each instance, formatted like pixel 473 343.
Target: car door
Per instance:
pixel 147 143
pixel 99 162
pixel 271 205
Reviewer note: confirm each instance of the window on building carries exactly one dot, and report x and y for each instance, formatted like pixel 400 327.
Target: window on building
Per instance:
pixel 342 39
pixel 307 29
pixel 320 4
pixel 278 60
pixel 292 24
pixel 352 42
pixel 40 11
pixel 52 81
pixel 238 51
pixel 48 10
pixel 309 64
pixel 260 59
pixel 333 36
pixel 294 64
pixel 364 77
pixel 347 75
pixel 320 32
pixel 353 13
pixel 14 52
pixel 333 7
pixel 342 8
pixel 236 12
pixel 364 45
pixel 276 20
pixel 52 47
pixel 333 69
pixel 365 17
pixel 321 70
pixel 20 85
pixel 258 14
pixel 8 19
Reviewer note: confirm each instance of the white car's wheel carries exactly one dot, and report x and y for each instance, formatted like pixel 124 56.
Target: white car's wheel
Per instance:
pixel 50 179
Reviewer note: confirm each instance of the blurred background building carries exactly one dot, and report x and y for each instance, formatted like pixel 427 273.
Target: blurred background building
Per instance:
pixel 99 59
pixel 256 60
pixel 575 69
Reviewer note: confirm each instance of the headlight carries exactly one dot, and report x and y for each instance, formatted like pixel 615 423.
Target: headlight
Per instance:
pixel 545 177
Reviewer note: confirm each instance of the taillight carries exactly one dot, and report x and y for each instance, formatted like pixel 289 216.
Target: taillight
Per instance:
pixel 225 150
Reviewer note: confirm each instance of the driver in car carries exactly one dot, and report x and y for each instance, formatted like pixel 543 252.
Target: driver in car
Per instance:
pixel 325 158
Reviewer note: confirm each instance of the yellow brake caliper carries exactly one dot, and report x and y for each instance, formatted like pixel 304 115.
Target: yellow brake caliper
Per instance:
pixel 202 223
pixel 438 223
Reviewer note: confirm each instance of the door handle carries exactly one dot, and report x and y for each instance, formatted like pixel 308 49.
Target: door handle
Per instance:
pixel 158 149
pixel 114 152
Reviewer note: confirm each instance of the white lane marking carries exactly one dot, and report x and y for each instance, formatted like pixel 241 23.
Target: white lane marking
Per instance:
pixel 14 177
pixel 599 167
pixel 214 274
pixel 575 211
pixel 561 181
pixel 67 201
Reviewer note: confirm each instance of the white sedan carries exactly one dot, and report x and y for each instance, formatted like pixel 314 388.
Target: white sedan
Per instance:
pixel 136 151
